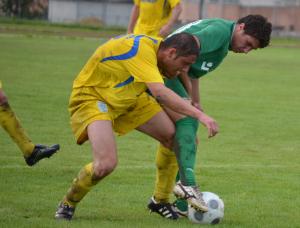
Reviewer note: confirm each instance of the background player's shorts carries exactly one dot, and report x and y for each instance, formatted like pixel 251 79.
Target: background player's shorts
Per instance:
pixel 86 106
pixel 0 85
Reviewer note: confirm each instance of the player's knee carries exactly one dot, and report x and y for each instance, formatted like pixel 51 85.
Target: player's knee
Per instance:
pixel 104 168
pixel 169 138
pixel 168 141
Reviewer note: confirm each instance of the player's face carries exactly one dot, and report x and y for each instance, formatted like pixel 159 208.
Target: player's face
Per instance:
pixel 241 42
pixel 172 65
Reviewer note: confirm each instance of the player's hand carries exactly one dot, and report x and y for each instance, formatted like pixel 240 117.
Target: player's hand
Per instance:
pixel 210 124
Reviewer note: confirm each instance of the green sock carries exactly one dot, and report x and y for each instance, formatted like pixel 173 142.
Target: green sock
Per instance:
pixel 182 204
pixel 185 149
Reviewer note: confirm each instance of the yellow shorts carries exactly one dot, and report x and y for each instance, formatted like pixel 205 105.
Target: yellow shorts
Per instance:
pixel 87 105
pixel 0 85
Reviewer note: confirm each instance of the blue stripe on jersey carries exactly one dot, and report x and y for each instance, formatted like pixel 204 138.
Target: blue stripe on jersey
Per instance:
pixel 132 52
pixel 127 81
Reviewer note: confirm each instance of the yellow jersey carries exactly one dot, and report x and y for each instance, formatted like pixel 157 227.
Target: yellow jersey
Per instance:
pixel 120 62
pixel 153 14
pixel 112 84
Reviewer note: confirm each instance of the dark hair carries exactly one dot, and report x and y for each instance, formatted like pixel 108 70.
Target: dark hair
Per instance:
pixel 184 43
pixel 258 27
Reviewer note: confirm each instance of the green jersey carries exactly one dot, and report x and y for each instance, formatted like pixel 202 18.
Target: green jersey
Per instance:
pixel 215 38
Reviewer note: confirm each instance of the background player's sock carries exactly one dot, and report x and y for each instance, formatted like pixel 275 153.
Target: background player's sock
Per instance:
pixel 11 124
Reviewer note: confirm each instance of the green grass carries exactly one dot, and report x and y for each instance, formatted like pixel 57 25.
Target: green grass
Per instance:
pixel 253 164
pixel 41 27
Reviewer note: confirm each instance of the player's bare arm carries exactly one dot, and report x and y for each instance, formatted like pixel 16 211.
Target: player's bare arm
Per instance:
pixel 171 100
pixel 135 12
pixel 167 28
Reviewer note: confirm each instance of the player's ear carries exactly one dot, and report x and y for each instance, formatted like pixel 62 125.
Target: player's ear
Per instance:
pixel 172 53
pixel 241 26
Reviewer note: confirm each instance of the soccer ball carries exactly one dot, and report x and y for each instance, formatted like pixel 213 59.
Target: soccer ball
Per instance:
pixel 215 210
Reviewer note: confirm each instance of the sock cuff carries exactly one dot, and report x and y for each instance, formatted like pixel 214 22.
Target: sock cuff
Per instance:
pixel 186 120
pixel 89 169
pixel 166 151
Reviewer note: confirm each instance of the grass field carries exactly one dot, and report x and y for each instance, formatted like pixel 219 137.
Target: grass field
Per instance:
pixel 253 164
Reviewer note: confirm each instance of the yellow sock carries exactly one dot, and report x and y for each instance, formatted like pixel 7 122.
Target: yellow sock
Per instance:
pixel 81 185
pixel 166 171
pixel 11 124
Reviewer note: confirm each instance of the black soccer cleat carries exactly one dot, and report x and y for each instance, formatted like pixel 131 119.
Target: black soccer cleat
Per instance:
pixel 64 211
pixel 41 152
pixel 163 209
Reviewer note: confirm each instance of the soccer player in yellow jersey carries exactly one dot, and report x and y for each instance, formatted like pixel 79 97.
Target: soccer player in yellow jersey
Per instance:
pixel 109 94
pixel 8 120
pixel 154 17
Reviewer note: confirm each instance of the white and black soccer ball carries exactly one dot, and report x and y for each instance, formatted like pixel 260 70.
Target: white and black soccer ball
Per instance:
pixel 215 211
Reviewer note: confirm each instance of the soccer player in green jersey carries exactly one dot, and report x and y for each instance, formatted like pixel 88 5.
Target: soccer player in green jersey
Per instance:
pixel 217 38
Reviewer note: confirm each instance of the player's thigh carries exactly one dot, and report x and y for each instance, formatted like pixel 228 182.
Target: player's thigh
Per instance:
pixel 160 127
pixel 102 139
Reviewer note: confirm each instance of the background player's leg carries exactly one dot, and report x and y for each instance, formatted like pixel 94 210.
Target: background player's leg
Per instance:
pixel 12 126
pixel 10 123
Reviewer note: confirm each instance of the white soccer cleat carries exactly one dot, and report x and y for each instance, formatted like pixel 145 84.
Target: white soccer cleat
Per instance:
pixel 192 194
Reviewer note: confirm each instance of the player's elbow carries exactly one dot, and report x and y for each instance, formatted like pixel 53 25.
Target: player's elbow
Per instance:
pixel 157 90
